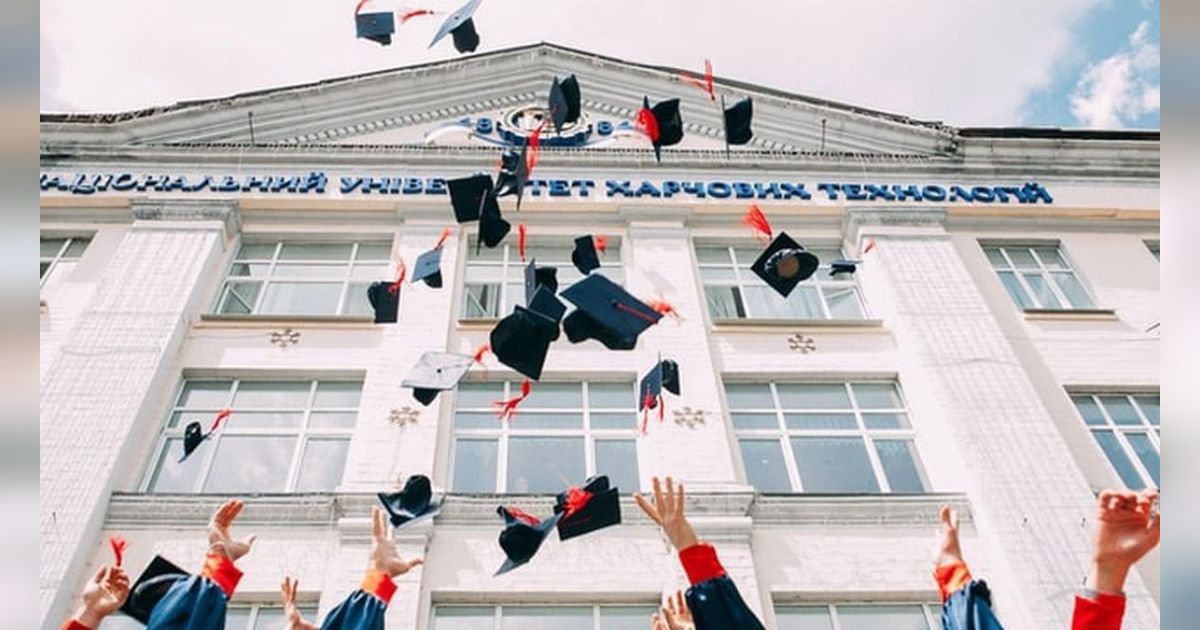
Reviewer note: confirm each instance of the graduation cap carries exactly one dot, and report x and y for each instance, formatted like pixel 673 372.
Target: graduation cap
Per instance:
pixel 514 174
pixel 540 286
pixel 462 27
pixel 412 503
pixel 151 586
pixel 664 375
pixel 377 27
pixel 606 313
pixel 843 266
pixel 492 227
pixel 385 301
pixel 428 268
pixel 472 196
pixel 436 372
pixel 522 339
pixel 587 509
pixel 737 122
pixel 564 102
pixel 523 535
pixel 193 435
pixel 662 123
pixel 584 256
pixel 784 264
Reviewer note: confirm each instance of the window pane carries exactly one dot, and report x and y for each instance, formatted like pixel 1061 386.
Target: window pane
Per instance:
pixel 843 304
pixel 239 298
pixel 716 255
pixel 625 617
pixel 1015 290
pixel 1072 288
pixel 534 420
pixel 615 421
pixel 475 466
pixel 337 394
pixel 812 421
pixel 271 395
pixel 182 418
pixel 1144 449
pixel 270 420
pixel 1089 410
pixel 256 251
pixel 877 395
pixel 172 476
pixel 296 298
pixel 1041 291
pixel 316 251
pixel 539 465
pixel 610 395
pixel 1120 410
pixel 996 258
pixel 803 303
pixel 718 275
pixel 51 246
pixel 899 461
pixel 251 464
pixel 374 251
pixel 478 395
pixel 249 270
pixel 813 396
pixel 1050 257
pixel 885 420
pixel 323 465
pixel 476 420
pixel 723 303
pixel 754 420
pixel 552 395
pixel 546 618
pixel 312 271
pixel 618 460
pixel 765 469
pixel 1120 461
pixel 205 394
pixel 77 247
pixel 482 300
pixel 877 617
pixel 464 618
pixel 270 619
pixel 749 396
pixel 1021 257
pixel 44 266
pixel 333 420
pixel 834 465
pixel 372 272
pixel 357 303
pixel 237 618
pixel 804 618
pixel 764 303
pixel 1149 405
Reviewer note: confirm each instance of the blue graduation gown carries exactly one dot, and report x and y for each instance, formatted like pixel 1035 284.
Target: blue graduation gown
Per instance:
pixel 713 598
pixel 970 608
pixel 192 603
pixel 359 611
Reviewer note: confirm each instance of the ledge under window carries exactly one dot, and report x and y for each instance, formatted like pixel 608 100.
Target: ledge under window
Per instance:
pixel 1070 314
pixel 220 320
pixel 477 323
pixel 746 324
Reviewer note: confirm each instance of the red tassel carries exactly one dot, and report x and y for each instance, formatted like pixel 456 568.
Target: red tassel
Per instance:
pixel 417 13
pixel 535 147
pixel 358 7
pixel 401 272
pixel 633 311
pixel 224 413
pixel 707 84
pixel 577 499
pixel 523 516
pixel 521 240
pixel 442 239
pixel 662 407
pixel 508 408
pixel 757 221
pixel 601 243
pixel 869 247
pixel 648 124
pixel 118 545
pixel 480 351
pixel 665 308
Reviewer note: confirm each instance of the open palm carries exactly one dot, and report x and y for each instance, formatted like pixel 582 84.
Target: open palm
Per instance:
pixel 384 555
pixel 291 613
pixel 219 539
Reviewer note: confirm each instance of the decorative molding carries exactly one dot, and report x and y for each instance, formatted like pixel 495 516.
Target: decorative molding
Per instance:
pixel 284 338
pixel 404 417
pixel 688 417
pixel 162 209
pixel 801 343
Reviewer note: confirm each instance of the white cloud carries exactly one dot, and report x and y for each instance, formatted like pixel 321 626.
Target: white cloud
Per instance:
pixel 1120 89
pixel 972 62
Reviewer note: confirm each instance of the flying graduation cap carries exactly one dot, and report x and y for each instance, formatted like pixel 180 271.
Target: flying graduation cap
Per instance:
pixel 664 375
pixel 564 102
pixel 523 535
pixel 193 435
pixel 413 503
pixel 377 26
pixel 785 264
pixel 470 196
pixel 737 121
pixel 541 283
pixel 606 313
pixel 150 587
pixel 462 27
pixel 436 372
pixel 522 339
pixel 587 509
pixel 584 256
pixel 385 300
pixel 428 268
pixel 662 123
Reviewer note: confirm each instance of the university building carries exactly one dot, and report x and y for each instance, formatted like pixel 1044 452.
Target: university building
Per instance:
pixel 997 349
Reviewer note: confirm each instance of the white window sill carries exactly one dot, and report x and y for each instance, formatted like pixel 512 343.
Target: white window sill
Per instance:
pixel 222 320
pixel 1075 314
pixel 739 324
pixel 477 323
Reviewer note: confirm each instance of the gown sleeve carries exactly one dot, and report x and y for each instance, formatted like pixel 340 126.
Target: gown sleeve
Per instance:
pixel 72 624
pixel 1098 611
pixel 970 608
pixel 198 602
pixel 365 607
pixel 713 598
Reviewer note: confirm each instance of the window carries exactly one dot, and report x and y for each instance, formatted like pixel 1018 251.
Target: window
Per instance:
pixel 542 617
pixel 59 257
pixel 237 617
pixel 734 292
pixel 840 438
pixel 292 278
pixel 1038 277
pixel 1153 247
pixel 283 436
pixel 555 439
pixel 495 279
pixel 859 617
pixel 1126 427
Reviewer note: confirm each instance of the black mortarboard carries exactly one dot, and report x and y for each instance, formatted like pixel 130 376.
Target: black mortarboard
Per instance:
pixel 606 313
pixel 601 507
pixel 385 301
pixel 584 256
pixel 151 586
pixel 436 372
pixel 670 376
pixel 670 124
pixel 514 174
pixel 564 102
pixel 492 227
pixel 843 266
pixel 413 503
pixel 428 268
pixel 737 121
pixel 377 27
pixel 522 339
pixel 664 375
pixel 470 196
pixel 784 264
pixel 521 539
pixel 462 26
pixel 193 435
pixel 536 276
pixel 540 285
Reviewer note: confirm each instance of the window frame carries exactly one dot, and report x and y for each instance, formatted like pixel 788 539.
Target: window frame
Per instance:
pixel 308 607
pixel 303 434
pixel 931 611
pixel 1119 431
pixel 347 279
pixel 743 277
pixel 1043 271
pixel 503 432
pixel 498 610
pixel 783 434
pixel 61 255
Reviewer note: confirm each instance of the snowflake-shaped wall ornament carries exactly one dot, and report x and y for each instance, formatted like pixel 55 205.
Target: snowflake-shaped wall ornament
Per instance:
pixel 404 416
pixel 286 337
pixel 802 343
pixel 688 417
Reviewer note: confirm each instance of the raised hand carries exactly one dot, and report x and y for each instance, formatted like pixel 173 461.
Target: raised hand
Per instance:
pixel 103 595
pixel 219 539
pixel 291 614
pixel 667 511
pixel 384 555
pixel 948 549
pixel 1129 529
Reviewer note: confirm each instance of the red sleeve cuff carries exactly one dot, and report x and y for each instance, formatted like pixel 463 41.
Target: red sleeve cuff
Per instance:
pixel 221 571
pixel 700 563
pixel 380 585
pixel 950 577
pixel 74 625
pixel 1098 611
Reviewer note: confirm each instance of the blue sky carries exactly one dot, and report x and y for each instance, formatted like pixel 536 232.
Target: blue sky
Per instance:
pixel 1063 63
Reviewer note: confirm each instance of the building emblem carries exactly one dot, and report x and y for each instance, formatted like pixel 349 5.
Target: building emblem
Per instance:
pixel 802 343
pixel 284 338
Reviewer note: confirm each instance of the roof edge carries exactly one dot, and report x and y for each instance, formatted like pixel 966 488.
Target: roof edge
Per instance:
pixel 1143 135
